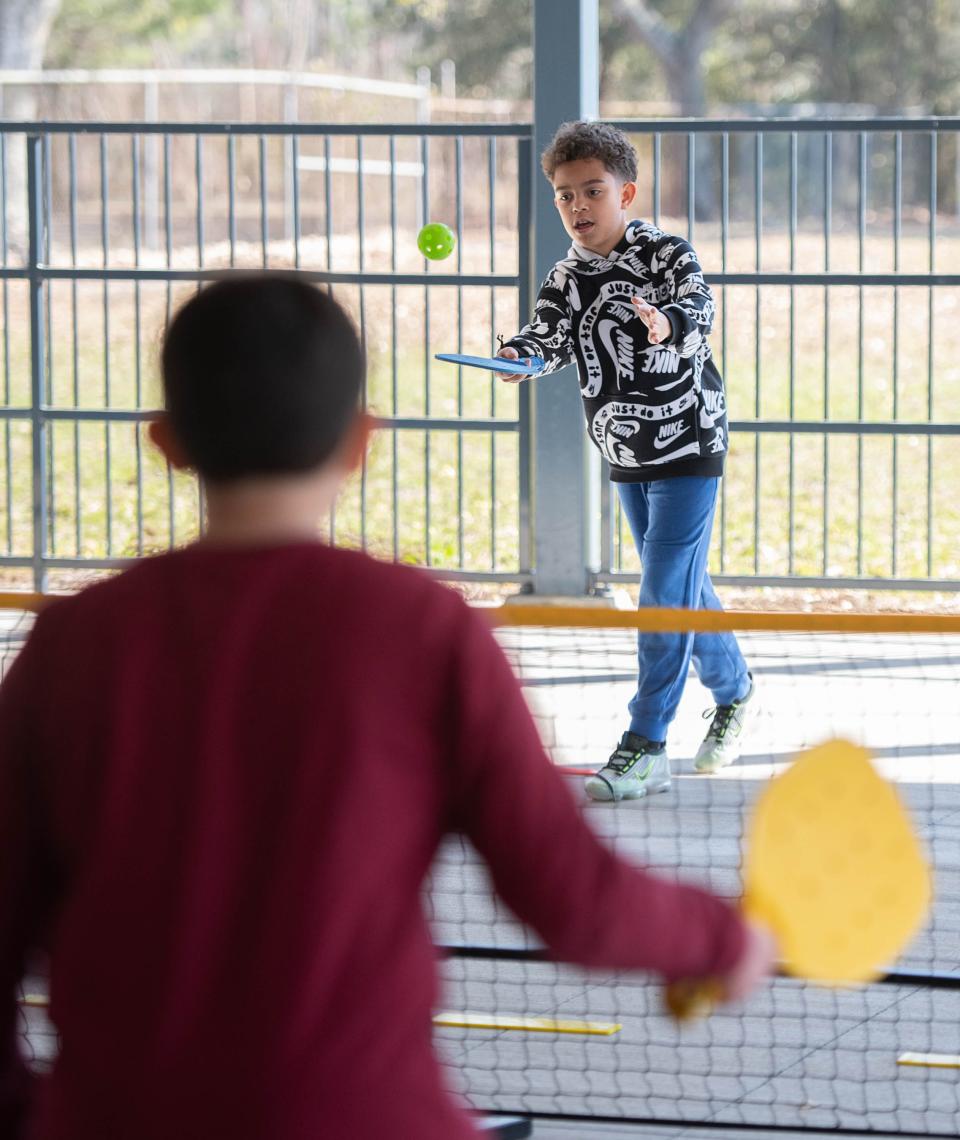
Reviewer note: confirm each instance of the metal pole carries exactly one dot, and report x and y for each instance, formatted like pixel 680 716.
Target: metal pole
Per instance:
pixel 37 359
pixel 566 479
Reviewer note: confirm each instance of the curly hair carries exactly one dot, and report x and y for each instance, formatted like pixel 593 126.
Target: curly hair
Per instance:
pixel 591 140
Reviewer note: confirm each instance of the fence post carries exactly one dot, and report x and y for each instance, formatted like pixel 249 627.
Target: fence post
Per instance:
pixel 566 86
pixel 37 364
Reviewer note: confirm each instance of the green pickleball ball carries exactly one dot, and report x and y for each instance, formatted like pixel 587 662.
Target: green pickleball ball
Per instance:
pixel 436 241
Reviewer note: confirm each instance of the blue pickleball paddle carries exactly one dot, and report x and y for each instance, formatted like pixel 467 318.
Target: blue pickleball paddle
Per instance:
pixel 527 366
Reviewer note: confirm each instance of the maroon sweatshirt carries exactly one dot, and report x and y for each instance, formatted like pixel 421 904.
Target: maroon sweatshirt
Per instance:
pixel 223 777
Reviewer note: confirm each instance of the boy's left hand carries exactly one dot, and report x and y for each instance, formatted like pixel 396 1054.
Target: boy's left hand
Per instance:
pixel 658 324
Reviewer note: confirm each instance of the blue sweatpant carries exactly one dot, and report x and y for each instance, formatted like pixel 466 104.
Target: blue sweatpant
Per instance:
pixel 671 520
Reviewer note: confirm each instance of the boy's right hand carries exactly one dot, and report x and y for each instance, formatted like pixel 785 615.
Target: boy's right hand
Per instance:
pixel 508 353
pixel 754 966
pixel 689 998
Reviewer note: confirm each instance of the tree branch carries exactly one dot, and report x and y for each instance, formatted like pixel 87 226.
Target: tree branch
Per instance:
pixel 652 27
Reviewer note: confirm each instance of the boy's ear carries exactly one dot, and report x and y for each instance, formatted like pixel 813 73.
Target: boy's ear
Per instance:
pixel 358 440
pixel 161 436
pixel 627 194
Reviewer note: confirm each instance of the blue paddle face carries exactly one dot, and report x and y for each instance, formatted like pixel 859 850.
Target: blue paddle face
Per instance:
pixel 528 366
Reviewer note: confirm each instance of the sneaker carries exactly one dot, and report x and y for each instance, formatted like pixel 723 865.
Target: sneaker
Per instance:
pixel 724 740
pixel 639 767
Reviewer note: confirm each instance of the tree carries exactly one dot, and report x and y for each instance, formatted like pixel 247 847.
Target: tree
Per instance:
pixel 24 31
pixel 896 58
pixel 679 45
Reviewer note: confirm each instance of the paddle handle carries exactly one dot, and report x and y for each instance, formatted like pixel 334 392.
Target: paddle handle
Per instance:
pixel 692 998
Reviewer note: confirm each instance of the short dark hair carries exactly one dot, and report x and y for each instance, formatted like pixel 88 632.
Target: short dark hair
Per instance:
pixel 591 140
pixel 262 375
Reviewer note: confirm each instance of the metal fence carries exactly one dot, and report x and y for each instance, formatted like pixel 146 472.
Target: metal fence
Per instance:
pixel 102 227
pixel 831 246
pixel 828 244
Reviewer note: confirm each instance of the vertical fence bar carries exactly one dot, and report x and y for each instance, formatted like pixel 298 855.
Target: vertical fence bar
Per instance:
pixel 458 208
pixel 361 229
pixel 425 189
pixel 328 200
pixel 827 230
pixel 107 388
pixel 758 260
pixel 168 249
pixel 931 355
pixel 861 263
pixel 48 329
pixel 361 238
pixel 394 345
pixel 328 233
pixel 137 363
pixel 37 363
pixel 295 191
pixel 264 204
pixel 492 225
pixel 691 184
pixel 201 243
pixel 524 272
pixel 198 174
pixel 75 342
pixel 791 440
pixel 657 170
pixel 895 378
pixel 5 294
pixel 232 198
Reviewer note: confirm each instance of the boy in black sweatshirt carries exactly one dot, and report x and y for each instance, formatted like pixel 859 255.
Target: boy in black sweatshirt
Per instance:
pixel 629 304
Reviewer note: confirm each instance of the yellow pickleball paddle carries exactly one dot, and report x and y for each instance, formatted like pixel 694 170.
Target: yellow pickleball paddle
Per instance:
pixel 833 867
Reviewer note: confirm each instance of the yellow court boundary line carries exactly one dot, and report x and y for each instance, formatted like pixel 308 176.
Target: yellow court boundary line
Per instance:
pixel 465 1020
pixel 468 1020
pixel 930 1060
pixel 651 620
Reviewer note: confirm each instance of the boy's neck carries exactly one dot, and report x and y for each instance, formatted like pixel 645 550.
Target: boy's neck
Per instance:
pixel 609 248
pixel 269 511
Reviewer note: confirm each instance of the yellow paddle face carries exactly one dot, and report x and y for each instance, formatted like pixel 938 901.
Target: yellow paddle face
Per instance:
pixel 833 867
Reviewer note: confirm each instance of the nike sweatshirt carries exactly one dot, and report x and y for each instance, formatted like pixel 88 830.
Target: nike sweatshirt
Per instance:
pixel 653 410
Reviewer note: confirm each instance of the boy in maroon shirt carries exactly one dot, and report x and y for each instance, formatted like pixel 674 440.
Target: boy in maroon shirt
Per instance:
pixel 225 773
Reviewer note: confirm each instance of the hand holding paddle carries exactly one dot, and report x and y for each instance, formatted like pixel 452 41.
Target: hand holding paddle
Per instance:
pixel 509 353
pixel 512 367
pixel 833 868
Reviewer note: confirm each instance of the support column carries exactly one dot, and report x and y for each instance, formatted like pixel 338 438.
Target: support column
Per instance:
pixel 566 48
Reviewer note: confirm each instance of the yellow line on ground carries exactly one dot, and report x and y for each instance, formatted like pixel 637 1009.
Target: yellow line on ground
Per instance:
pixel 930 1060
pixel 466 1020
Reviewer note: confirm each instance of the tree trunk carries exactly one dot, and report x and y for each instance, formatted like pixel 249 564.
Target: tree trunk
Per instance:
pixel 24 30
pixel 680 52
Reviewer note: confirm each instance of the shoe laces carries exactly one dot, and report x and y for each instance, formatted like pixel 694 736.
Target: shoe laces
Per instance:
pixel 722 719
pixel 623 759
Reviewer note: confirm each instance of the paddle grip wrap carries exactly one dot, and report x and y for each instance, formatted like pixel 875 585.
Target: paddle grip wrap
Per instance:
pixel 692 998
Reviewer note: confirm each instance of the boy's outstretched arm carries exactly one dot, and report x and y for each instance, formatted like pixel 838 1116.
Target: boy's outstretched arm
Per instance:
pixel 548 334
pixel 587 904
pixel 689 307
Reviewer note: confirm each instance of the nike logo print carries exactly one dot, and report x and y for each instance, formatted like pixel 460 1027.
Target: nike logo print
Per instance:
pixel 660 444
